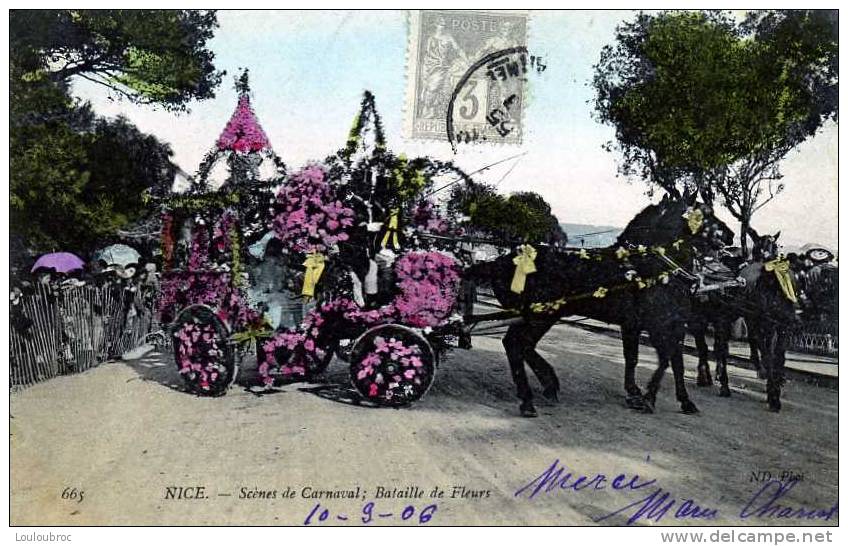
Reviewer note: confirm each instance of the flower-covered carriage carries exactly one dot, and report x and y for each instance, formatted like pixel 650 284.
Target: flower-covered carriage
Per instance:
pixel 373 257
pixel 380 260
pixel 205 230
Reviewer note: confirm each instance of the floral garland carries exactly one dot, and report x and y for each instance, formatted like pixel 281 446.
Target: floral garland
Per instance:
pixel 179 289
pixel 198 257
pixel 295 353
pixel 168 241
pixel 226 243
pixel 428 283
pixel 426 218
pixel 221 232
pixel 203 202
pixel 310 218
pixel 235 248
pixel 407 179
pixel 367 119
pixel 630 274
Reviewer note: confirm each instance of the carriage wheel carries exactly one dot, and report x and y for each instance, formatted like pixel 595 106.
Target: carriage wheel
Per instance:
pixel 204 356
pixel 319 366
pixel 392 365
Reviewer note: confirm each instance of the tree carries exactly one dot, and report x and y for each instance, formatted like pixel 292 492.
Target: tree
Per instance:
pixel 792 90
pixel 701 101
pixel 73 189
pixel 156 57
pixel 547 226
pixel 76 179
pixel 520 217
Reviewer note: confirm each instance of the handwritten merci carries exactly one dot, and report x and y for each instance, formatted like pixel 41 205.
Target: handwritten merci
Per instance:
pixel 769 502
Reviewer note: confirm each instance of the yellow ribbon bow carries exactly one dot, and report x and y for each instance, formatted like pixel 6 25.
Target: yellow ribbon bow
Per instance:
pixel 392 230
pixel 314 267
pixel 524 265
pixel 695 219
pixel 781 271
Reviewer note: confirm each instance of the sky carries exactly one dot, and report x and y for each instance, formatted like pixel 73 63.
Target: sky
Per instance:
pixel 308 71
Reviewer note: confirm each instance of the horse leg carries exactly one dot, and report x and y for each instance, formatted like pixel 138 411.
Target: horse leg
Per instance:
pixel 661 344
pixel 630 344
pixel 675 347
pixel 722 335
pixel 754 346
pixel 699 332
pixel 543 370
pixel 768 345
pixel 778 361
pixel 514 342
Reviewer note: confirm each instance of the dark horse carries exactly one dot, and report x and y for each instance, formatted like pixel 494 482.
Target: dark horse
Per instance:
pixel 643 282
pixel 719 308
pixel 768 313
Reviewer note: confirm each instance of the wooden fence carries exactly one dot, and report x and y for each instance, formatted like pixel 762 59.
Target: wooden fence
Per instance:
pixel 62 330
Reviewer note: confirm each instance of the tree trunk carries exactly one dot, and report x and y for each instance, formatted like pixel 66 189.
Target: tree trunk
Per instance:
pixel 745 225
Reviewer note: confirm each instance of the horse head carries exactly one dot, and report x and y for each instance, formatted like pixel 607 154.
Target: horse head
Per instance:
pixel 766 248
pixel 675 219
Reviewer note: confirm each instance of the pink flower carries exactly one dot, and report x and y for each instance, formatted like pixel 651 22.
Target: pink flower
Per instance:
pixel 308 216
pixel 428 282
pixel 243 132
pixel 371 359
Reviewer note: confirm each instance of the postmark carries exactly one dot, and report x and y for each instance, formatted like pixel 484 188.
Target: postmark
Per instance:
pixel 443 46
pixel 504 72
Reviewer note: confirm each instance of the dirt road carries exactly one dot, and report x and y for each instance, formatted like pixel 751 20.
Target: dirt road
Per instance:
pixel 124 433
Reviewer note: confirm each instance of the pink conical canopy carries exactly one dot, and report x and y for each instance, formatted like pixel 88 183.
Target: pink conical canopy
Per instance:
pixel 243 132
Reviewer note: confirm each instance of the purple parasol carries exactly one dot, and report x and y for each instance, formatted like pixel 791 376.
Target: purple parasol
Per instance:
pixel 62 262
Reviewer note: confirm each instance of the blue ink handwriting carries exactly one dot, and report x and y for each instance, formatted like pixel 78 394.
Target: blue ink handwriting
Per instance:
pixel 321 514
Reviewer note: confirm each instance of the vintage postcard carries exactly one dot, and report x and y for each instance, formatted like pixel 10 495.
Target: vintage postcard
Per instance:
pixel 424 268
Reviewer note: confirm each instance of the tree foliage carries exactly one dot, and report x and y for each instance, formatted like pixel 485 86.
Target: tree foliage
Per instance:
pixel 75 178
pixel 520 217
pixel 701 101
pixel 157 57
pixel 74 186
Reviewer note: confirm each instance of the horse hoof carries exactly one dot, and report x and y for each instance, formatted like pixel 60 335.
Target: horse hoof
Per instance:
pixel 649 405
pixel 724 391
pixel 688 407
pixel 774 406
pixel 527 410
pixel 634 401
pixel 704 380
pixel 551 393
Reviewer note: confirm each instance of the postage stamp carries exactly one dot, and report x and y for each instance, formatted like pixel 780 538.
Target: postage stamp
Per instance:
pixel 443 46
